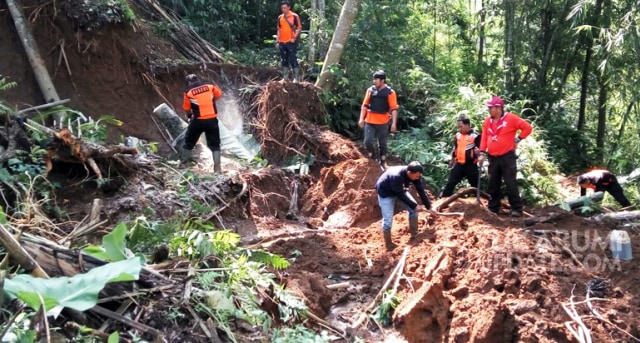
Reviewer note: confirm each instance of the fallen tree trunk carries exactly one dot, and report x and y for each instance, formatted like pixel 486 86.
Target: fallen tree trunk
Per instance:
pixel 617 217
pixel 584 200
pixel 31 48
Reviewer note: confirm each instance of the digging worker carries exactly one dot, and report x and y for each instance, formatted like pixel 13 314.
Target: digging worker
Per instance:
pixel 501 132
pixel 392 187
pixel 379 108
pixel 200 109
pixel 601 180
pixel 463 160
pixel 289 29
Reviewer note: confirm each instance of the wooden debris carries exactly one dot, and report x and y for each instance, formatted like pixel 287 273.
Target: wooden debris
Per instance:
pixel 339 285
pixel 460 193
pixel 66 148
pixel 550 218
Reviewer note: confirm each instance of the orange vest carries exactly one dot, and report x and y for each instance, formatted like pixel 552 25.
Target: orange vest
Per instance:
pixel 465 143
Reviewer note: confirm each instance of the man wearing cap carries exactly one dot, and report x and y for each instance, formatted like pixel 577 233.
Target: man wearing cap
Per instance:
pixel 601 180
pixel 289 29
pixel 379 109
pixel 501 132
pixel 393 186
pixel 201 112
pixel 464 157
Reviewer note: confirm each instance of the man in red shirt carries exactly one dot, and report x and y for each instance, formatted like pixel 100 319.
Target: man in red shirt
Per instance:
pixel 289 29
pixel 501 132
pixel 199 105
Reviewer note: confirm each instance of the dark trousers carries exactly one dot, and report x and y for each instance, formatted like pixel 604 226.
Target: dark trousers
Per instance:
pixel 504 167
pixel 459 171
pixel 373 131
pixel 288 55
pixel 616 192
pixel 211 132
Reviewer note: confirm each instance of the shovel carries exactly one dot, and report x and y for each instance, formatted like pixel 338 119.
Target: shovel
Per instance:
pixel 478 184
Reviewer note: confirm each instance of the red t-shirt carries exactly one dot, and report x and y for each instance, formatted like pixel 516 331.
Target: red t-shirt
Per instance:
pixel 498 136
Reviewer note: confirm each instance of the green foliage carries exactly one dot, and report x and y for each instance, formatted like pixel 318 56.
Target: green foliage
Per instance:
pixel 113 245
pixel 384 313
pixel 144 234
pixel 79 292
pixel 299 333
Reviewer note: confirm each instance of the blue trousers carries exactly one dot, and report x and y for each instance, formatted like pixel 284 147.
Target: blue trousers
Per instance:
pixel 387 207
pixel 288 54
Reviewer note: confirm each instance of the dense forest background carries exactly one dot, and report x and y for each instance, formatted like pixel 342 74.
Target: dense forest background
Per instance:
pixel 570 67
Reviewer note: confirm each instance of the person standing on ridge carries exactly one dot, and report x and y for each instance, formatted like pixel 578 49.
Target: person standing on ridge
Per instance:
pixel 499 141
pixel 463 159
pixel 601 180
pixel 200 109
pixel 379 109
pixel 393 186
pixel 289 29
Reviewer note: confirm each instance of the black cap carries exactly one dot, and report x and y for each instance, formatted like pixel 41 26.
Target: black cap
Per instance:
pixel 191 78
pixel 379 74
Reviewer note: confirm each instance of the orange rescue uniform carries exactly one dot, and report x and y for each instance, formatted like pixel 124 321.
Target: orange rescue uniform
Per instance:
pixel 379 104
pixel 200 100
pixel 285 23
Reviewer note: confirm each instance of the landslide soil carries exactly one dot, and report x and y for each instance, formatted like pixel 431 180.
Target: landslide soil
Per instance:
pixel 470 277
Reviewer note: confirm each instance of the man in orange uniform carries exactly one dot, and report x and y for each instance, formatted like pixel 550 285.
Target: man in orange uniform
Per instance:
pixel 499 140
pixel 380 104
pixel 289 29
pixel 463 158
pixel 200 109
pixel 601 180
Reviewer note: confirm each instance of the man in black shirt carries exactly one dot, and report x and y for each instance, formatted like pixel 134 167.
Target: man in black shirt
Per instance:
pixel 392 187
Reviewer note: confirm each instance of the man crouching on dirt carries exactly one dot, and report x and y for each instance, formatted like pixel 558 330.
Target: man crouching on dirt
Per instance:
pixel 393 186
pixel 200 109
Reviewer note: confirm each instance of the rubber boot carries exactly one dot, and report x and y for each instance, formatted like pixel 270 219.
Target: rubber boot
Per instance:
pixel 383 162
pixel 413 227
pixel 387 240
pixel 185 156
pixel 285 73
pixel 296 74
pixel 217 168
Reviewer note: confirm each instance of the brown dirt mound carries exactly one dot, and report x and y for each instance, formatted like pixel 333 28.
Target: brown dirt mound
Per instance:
pixel 345 194
pixel 291 123
pixel 476 278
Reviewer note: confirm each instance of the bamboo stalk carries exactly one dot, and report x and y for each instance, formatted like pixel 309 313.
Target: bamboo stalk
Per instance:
pixel 19 254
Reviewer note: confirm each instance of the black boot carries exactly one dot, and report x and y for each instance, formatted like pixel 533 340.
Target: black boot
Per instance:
pixel 387 240
pixel 413 227
pixel 217 167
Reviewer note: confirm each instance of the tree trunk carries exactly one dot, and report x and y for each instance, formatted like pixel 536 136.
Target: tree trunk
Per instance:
pixel 481 41
pixel 586 67
pixel 623 126
pixel 313 33
pixel 602 119
pixel 343 28
pixel 584 87
pixel 31 48
pixel 583 200
pixel 509 46
pixel 323 45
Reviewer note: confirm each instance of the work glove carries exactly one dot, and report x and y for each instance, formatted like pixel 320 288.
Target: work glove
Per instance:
pixel 452 163
pixel 518 139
